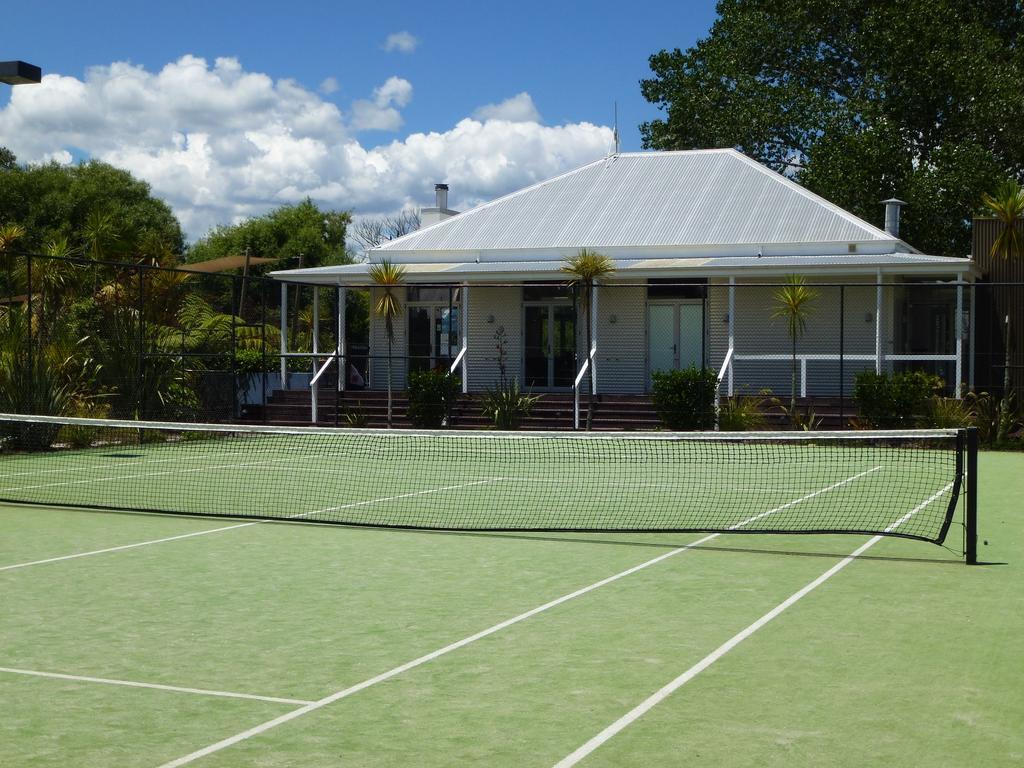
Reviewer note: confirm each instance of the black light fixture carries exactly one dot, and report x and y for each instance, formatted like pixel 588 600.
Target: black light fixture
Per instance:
pixel 19 73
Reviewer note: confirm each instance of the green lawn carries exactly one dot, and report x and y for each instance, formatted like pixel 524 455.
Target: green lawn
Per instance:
pixel 905 657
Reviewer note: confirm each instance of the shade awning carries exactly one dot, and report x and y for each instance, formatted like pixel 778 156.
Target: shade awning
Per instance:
pixel 224 263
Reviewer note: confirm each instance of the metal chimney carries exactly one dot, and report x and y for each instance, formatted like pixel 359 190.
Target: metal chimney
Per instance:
pixel 892 215
pixel 441 193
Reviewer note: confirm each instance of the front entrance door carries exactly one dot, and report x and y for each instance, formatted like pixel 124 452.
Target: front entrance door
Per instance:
pixel 549 348
pixel 675 335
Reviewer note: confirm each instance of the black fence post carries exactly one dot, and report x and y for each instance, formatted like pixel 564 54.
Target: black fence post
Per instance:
pixel 140 361
pixel 31 367
pixel 263 350
pixel 842 368
pixel 234 348
pixel 971 510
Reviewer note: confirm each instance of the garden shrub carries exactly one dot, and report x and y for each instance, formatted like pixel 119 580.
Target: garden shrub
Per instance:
pixel 685 399
pixel 506 405
pixel 431 397
pixel 902 400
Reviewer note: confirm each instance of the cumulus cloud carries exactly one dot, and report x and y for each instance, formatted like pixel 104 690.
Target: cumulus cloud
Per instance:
pixel 329 85
pixel 381 114
pixel 220 144
pixel 518 109
pixel 403 42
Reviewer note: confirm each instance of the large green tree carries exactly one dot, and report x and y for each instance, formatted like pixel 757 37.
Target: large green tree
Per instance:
pixel 293 234
pixel 54 202
pixel 859 100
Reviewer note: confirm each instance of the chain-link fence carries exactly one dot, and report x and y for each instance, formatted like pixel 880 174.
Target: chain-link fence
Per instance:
pixel 129 340
pixel 94 338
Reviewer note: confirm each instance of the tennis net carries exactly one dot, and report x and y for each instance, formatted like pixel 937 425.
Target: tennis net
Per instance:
pixel 892 483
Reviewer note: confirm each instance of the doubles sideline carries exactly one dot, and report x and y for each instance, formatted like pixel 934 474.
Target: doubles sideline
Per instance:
pixel 394 672
pixel 663 693
pixel 206 531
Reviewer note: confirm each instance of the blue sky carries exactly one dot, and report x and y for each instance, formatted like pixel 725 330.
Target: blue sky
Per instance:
pixel 311 98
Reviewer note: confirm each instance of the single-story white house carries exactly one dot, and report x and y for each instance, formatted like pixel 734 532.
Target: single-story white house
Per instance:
pixel 696 238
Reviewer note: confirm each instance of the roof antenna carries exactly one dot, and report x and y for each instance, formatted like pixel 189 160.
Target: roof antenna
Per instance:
pixel 615 129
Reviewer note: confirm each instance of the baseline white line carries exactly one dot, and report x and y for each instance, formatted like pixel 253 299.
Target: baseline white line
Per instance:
pixel 663 693
pixel 346 692
pixel 156 686
pixel 239 525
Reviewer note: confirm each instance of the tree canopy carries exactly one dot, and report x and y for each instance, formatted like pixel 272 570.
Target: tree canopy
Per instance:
pixel 859 100
pixel 98 209
pixel 288 234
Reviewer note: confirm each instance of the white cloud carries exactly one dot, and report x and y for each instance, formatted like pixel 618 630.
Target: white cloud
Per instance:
pixel 220 144
pixel 403 42
pixel 381 114
pixel 518 109
pixel 329 85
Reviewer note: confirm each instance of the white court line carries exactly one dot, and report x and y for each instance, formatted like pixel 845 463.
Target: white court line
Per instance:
pixel 124 546
pixel 346 692
pixel 157 686
pixel 656 698
pixel 241 525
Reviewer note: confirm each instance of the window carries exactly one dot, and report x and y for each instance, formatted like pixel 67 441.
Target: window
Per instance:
pixel 677 288
pixel 546 291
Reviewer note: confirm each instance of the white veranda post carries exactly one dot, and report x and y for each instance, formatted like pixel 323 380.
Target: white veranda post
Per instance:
pixel 465 338
pixel 732 329
pixel 959 321
pixel 593 335
pixel 342 348
pixel 878 322
pixel 284 335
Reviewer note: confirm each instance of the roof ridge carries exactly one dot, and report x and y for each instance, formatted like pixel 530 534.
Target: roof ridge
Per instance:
pixel 496 201
pixel 801 189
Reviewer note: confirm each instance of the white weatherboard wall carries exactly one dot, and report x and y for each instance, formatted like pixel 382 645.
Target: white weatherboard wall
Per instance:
pixel 505 306
pixel 622 345
pixel 378 364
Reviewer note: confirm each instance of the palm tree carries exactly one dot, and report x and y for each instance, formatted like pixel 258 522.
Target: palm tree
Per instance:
pixel 388 276
pixel 1007 205
pixel 793 304
pixel 586 268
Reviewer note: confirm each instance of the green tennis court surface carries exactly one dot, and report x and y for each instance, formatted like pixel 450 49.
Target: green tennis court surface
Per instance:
pixel 229 642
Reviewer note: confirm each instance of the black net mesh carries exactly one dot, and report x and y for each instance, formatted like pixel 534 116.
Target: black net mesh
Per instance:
pixel 901 484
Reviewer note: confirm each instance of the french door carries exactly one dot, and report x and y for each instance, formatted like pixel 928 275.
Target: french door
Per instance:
pixel 549 345
pixel 433 336
pixel 675 335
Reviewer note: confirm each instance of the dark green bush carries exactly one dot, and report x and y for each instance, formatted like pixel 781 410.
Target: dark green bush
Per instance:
pixel 431 397
pixel 899 401
pixel 252 361
pixel 685 399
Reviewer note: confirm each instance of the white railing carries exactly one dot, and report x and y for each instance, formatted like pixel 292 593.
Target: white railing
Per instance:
pixel 805 358
pixel 313 399
pixel 718 383
pixel 460 360
pixel 576 387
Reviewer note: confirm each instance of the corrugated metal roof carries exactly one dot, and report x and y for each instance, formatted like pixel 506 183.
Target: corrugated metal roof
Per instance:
pixel 649 199
pixel 626 269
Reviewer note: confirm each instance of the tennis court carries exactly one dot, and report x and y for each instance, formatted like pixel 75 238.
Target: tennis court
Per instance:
pixel 164 640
